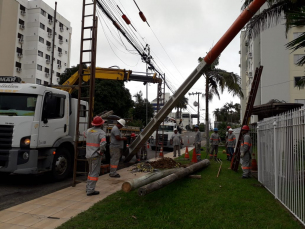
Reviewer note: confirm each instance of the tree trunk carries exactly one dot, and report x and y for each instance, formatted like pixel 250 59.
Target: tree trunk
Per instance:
pixel 170 178
pixel 146 179
pixel 207 114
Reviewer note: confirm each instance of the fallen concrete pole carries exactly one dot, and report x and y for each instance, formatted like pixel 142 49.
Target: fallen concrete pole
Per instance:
pixel 170 178
pixel 146 179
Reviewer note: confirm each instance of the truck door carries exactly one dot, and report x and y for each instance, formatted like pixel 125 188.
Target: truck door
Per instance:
pixel 54 119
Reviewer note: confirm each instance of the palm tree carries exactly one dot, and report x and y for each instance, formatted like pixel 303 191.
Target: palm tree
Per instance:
pixel 294 13
pixel 218 79
pixel 181 105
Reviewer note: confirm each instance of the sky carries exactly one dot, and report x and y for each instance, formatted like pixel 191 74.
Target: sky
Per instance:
pixel 180 32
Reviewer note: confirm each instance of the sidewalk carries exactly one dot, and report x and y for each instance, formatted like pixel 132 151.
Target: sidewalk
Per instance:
pixel 52 210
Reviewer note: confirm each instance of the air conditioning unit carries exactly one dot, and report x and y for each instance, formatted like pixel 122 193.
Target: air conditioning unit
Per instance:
pixel 19 55
pixel 47 74
pixel 250 54
pixel 246 43
pixel 50 21
pixel 22 12
pixel 49 34
pixel 18 69
pixel 21 26
pixel 47 61
pixel 59 66
pixel 61 29
pixel 60 53
pixel 49 48
pixel 21 40
pixel 61 41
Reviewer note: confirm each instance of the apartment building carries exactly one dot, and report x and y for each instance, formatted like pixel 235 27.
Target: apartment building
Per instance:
pixel 154 102
pixel 26 34
pixel 280 72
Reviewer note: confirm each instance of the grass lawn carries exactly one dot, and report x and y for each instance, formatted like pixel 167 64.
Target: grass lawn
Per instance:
pixel 224 202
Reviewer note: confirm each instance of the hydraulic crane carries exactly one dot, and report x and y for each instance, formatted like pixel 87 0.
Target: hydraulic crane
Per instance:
pixel 109 74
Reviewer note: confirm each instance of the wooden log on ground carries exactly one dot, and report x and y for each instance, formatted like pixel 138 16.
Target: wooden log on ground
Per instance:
pixel 146 179
pixel 170 178
pixel 195 176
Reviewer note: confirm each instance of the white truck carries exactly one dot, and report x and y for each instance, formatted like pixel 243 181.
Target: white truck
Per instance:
pixel 37 128
pixel 168 130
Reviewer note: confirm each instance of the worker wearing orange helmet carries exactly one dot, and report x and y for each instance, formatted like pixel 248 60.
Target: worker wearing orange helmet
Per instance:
pixel 95 148
pixel 132 138
pixel 115 147
pixel 245 151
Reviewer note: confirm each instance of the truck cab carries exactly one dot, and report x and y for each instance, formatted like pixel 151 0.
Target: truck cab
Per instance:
pixel 164 139
pixel 37 129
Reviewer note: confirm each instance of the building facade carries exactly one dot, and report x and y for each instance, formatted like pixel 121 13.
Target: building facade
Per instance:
pixel 26 40
pixel 154 102
pixel 280 72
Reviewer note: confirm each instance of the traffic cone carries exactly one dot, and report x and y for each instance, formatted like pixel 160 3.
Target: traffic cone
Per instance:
pixel 194 158
pixel 254 164
pixel 186 155
pixel 127 145
pixel 161 152
pixel 147 145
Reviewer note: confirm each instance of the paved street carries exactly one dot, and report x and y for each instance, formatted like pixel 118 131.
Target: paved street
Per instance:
pixel 16 189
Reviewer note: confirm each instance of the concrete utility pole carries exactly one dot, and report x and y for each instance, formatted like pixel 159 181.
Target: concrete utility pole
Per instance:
pixel 147 62
pixel 198 105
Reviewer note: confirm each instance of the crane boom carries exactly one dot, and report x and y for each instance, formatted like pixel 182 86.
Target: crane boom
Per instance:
pixel 109 74
pixel 224 41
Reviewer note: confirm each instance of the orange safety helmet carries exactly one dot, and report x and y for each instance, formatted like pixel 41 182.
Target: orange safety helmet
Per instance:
pixel 245 127
pixel 132 135
pixel 97 121
pixel 228 127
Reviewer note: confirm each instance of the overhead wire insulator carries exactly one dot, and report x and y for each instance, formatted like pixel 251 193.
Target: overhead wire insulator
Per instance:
pixel 142 16
pixel 125 18
pixel 116 25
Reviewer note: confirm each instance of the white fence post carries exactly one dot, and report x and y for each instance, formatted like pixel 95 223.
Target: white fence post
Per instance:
pixel 275 160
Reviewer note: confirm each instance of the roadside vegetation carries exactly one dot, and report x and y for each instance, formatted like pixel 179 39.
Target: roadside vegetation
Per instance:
pixel 210 202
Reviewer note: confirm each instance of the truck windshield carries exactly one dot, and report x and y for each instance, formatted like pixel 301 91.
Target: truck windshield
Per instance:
pixel 17 104
pixel 166 128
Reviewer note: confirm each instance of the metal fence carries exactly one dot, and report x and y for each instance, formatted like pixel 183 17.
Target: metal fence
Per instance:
pixel 281 159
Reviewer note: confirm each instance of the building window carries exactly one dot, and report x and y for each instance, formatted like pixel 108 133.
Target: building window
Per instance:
pixel 19 50
pixel 48 43
pixel 18 64
pixel 21 22
pixel 20 36
pixel 49 30
pixel 59 37
pixel 43 12
pixel 57 74
pixel 50 17
pixel 22 7
pixel 66 52
pixel 58 62
pixel 296 35
pixel 297 58
pixel 66 40
pixel 45 83
pixel 42 26
pixel 39 67
pixel 38 81
pixel 296 80
pixel 46 70
pixel 41 40
pixel 59 49
pixel 61 25
pixel 300 101
pixel 48 57
pixel 40 53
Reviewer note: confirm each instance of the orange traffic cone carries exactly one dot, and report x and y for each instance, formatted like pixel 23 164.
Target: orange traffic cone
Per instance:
pixel 127 145
pixel 161 152
pixel 186 155
pixel 194 158
pixel 147 145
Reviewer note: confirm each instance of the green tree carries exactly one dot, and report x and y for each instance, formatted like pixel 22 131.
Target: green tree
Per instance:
pixel 138 112
pixel 109 94
pixel 294 13
pixel 181 105
pixel 216 81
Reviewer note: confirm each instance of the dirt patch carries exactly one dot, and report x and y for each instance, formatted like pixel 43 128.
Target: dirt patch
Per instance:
pixel 165 163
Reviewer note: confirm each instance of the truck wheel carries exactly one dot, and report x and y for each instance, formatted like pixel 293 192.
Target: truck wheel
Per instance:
pixel 62 164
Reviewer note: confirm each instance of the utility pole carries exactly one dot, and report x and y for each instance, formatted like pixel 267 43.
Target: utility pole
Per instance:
pixel 147 61
pixel 198 105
